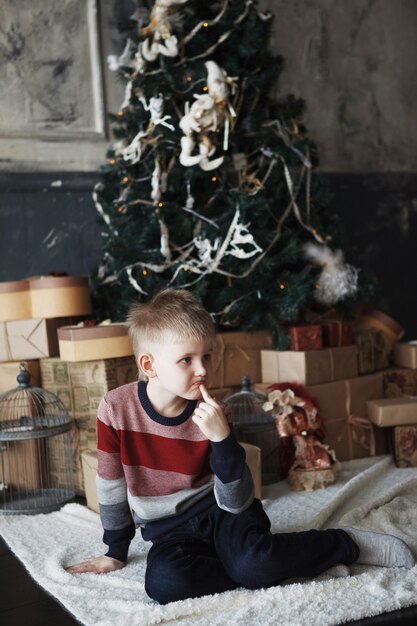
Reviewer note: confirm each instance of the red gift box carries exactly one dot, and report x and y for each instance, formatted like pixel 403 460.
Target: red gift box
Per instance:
pixel 305 337
pixel 336 333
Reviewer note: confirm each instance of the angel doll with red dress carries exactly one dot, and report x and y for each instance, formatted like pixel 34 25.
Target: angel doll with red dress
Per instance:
pixel 309 462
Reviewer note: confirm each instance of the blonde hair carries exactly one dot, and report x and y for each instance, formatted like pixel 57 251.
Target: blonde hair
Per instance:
pixel 172 312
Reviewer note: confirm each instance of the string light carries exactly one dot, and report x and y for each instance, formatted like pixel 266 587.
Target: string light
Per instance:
pixel 281 286
pixel 160 204
pixel 120 113
pixel 145 273
pixel 112 161
pixel 121 209
pixel 205 24
pixel 213 179
pixel 205 88
pixel 189 78
pixel 125 179
pixel 185 268
pixel 317 286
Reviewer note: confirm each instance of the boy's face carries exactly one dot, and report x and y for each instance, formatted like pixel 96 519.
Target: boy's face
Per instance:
pixel 179 367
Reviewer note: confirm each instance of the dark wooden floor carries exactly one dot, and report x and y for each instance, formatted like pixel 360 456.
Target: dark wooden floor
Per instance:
pixel 24 603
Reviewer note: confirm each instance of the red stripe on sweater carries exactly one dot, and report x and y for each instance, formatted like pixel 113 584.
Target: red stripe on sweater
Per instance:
pixel 154 451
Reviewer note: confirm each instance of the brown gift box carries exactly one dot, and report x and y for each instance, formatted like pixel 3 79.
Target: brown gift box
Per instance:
pixel 237 355
pixel 392 411
pixel 15 301
pixel 30 339
pixel 89 469
pixel 404 444
pixel 22 464
pixel 405 354
pixel 399 382
pixel 309 368
pixel 59 296
pixel 80 386
pixel 343 407
pixel 89 465
pixel 371 318
pixel 374 350
pixel 10 370
pixel 90 343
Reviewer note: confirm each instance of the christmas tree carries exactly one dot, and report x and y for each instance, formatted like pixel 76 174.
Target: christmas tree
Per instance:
pixel 209 184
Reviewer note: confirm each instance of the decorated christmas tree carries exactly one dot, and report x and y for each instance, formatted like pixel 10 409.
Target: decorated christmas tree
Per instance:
pixel 209 184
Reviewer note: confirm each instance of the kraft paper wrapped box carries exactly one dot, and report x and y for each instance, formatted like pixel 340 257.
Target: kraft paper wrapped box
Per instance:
pixel 392 411
pixel 343 405
pixel 309 368
pixel 15 303
pixel 89 343
pixel 60 296
pixel 372 318
pixel 89 468
pixel 31 338
pixel 404 445
pixel 238 354
pixel 374 350
pixel 10 370
pixel 405 354
pixel 399 381
pixel 81 386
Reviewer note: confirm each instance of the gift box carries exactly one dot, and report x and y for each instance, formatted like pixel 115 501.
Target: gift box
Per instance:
pixel 371 318
pixel 309 368
pixel 10 370
pixel 404 445
pixel 30 339
pixel 89 469
pixel 374 350
pixel 89 465
pixel 305 336
pixel 80 386
pixel 16 458
pixel 336 333
pixel 399 382
pixel 343 405
pixel 90 343
pixel 60 296
pixel 238 354
pixel 392 411
pixel 405 354
pixel 15 301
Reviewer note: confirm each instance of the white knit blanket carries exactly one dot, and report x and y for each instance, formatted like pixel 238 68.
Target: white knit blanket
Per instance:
pixel 369 493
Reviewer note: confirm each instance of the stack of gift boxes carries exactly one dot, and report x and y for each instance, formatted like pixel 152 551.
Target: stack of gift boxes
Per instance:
pixel 38 327
pixel 367 405
pixel 363 379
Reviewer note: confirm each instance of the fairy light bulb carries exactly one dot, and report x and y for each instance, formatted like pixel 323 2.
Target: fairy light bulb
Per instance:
pixel 205 88
pixel 205 24
pixel 125 179
pixel 189 78
pixel 145 273
pixel 185 268
pixel 213 179
pixel 160 204
pixel 120 113
pixel 112 161
pixel 281 286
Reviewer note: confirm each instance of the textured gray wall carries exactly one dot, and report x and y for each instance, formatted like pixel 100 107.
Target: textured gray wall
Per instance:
pixel 354 62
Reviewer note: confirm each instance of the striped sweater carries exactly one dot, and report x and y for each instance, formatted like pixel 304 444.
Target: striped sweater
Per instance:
pixel 157 471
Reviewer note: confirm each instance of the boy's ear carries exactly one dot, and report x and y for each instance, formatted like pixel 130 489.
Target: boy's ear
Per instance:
pixel 145 363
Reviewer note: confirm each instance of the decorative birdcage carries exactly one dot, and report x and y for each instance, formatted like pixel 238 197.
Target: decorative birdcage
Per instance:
pixel 254 425
pixel 36 466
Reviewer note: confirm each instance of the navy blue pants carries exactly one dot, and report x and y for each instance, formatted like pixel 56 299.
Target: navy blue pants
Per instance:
pixel 217 551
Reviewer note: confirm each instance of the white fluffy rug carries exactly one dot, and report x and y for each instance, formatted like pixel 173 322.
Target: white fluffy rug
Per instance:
pixel 370 493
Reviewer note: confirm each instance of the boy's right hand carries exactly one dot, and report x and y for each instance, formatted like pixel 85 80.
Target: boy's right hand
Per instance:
pixel 97 565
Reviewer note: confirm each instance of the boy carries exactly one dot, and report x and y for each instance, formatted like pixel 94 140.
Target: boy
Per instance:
pixel 168 461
